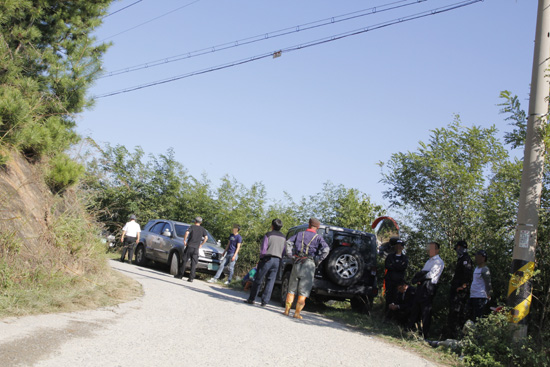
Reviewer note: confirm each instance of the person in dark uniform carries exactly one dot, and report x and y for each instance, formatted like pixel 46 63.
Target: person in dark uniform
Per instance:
pixel 403 303
pixel 427 280
pixel 460 290
pixel 396 265
pixel 194 238
pixel 308 249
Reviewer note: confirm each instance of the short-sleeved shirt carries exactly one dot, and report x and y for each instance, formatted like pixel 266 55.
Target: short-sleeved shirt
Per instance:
pixel 131 228
pixel 234 239
pixel 481 284
pixel 195 236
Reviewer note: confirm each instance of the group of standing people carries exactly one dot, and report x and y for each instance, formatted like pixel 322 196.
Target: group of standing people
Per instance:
pixel 307 249
pixel 411 304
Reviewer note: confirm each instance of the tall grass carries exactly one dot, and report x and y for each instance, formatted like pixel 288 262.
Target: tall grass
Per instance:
pixel 64 269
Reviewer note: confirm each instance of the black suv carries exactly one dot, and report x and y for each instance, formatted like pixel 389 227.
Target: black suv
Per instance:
pixel 348 272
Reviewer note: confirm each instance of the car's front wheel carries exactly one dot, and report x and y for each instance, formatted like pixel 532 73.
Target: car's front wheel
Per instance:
pixel 140 255
pixel 174 263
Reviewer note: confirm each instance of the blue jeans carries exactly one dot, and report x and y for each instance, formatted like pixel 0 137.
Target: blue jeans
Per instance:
pixel 227 261
pixel 268 266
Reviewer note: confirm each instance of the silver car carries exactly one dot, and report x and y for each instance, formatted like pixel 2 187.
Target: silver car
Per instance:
pixel 161 241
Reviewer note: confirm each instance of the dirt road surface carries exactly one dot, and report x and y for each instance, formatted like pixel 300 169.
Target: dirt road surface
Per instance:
pixel 177 323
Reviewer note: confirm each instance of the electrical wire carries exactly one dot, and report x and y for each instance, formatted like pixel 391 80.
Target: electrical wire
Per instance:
pixel 151 20
pixel 119 10
pixel 299 47
pixel 266 36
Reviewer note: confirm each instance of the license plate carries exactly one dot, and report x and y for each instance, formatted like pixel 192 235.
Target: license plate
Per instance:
pixel 213 266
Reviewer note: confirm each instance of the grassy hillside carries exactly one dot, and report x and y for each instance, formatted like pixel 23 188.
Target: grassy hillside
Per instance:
pixel 51 256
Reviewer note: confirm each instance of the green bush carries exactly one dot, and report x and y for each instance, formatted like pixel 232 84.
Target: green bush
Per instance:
pixel 490 343
pixel 63 173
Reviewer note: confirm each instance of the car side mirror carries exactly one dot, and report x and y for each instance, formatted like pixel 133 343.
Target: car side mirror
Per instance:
pixel 166 233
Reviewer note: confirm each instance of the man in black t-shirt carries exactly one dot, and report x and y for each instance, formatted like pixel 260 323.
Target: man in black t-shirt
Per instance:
pixel 194 238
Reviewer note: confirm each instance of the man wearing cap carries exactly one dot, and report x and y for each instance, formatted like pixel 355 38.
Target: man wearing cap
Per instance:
pixel 460 289
pixel 427 280
pixel 130 236
pixel 481 290
pixel 307 249
pixel 194 238
pixel 396 265
pixel 271 251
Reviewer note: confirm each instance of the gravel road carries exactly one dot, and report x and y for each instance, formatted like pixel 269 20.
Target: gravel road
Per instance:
pixel 177 323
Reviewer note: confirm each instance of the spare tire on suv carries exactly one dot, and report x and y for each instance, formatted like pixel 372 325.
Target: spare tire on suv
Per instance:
pixel 344 266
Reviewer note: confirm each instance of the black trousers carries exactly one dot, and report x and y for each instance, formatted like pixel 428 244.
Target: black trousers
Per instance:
pixel 128 246
pixel 391 294
pixel 422 307
pixel 458 302
pixel 193 254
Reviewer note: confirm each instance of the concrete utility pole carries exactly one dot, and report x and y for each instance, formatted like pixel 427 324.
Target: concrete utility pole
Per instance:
pixel 523 263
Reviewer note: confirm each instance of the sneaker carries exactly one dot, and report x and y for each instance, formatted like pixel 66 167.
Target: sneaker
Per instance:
pixel 263 304
pixel 249 301
pixel 212 280
pixel 190 280
pixel 226 282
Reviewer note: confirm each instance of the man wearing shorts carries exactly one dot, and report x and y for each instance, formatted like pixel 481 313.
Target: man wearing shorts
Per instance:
pixel 307 249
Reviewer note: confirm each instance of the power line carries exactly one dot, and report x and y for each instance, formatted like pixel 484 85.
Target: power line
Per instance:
pixel 299 47
pixel 119 10
pixel 150 20
pixel 266 36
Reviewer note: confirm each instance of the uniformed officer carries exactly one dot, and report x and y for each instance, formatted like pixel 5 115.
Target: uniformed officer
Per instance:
pixel 460 289
pixel 396 266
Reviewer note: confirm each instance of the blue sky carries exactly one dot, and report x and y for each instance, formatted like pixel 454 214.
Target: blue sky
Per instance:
pixel 324 113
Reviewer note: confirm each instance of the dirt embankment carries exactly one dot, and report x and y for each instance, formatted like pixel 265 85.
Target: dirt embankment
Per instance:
pixel 51 257
pixel 25 203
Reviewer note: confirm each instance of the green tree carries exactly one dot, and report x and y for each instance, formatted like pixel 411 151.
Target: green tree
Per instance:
pixel 341 206
pixel 444 181
pixel 48 59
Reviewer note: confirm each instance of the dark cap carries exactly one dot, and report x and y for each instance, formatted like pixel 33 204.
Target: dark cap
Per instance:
pixel 133 216
pixel 482 253
pixel 198 220
pixel 313 222
pixel 461 244
pixel 397 241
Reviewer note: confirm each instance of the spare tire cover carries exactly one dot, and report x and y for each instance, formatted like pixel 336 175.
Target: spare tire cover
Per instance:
pixel 345 266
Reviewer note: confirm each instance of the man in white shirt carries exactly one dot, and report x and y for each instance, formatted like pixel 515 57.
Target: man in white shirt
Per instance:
pixel 130 237
pixel 426 280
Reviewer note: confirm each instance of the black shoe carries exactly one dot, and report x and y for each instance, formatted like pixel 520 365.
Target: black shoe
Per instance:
pixel 177 276
pixel 263 304
pixel 249 301
pixel 190 280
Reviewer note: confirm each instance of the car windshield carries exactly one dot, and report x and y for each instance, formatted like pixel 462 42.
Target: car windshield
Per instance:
pixel 182 228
